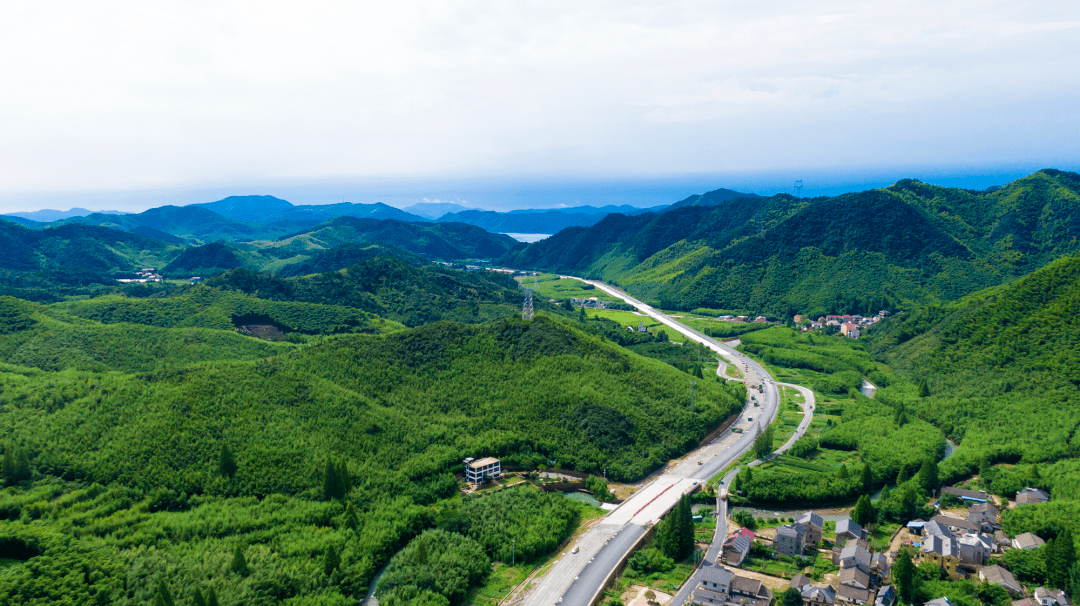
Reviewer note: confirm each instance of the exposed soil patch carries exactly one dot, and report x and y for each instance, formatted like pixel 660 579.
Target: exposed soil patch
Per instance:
pixel 266 332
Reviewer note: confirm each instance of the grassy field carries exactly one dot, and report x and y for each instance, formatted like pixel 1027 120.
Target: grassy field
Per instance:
pixel 822 567
pixel 882 535
pixel 789 416
pixel 502 580
pixel 775 568
pixel 550 286
pixel 629 318
pixel 668 582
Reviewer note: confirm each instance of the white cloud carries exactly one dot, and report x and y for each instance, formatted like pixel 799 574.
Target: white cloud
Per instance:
pixel 119 94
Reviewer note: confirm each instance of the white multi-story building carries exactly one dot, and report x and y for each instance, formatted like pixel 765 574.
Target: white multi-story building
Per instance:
pixel 476 472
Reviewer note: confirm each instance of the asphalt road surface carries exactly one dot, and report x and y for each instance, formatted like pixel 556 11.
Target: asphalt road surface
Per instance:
pixel 721 519
pixel 576 579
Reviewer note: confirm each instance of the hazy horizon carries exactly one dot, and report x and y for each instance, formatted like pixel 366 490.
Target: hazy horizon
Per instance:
pixel 506 194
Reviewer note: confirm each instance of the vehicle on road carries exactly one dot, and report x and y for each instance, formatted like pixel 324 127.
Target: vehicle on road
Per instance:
pixel 575 549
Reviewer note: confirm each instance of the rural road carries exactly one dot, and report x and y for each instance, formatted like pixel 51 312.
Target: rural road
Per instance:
pixel 577 579
pixel 721 510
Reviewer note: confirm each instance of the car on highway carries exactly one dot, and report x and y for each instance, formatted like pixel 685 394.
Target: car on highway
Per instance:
pixel 749 418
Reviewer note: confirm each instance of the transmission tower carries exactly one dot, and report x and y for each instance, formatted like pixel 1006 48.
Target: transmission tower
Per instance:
pixel 527 308
pixel 798 188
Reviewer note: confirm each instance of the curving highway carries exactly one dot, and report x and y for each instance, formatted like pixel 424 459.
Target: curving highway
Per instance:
pixel 578 578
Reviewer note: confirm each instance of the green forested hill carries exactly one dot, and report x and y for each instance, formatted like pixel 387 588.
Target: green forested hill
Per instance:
pixel 129 489
pixel 193 224
pixel 1002 366
pixel 908 243
pixel 66 260
pixel 1000 374
pixel 412 293
pixel 434 240
pixel 78 249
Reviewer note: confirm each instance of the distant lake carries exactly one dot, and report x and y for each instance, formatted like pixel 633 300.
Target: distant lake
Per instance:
pixel 529 238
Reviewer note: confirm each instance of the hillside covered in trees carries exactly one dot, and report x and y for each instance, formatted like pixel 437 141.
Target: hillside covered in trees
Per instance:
pixel 1000 369
pixel 166 452
pixel 907 244
pixel 64 257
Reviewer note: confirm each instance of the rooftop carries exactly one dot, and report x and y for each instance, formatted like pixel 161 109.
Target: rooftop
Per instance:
pixel 482 462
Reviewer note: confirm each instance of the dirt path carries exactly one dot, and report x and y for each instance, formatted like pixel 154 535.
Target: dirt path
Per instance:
pixel 899 540
pixel 776 584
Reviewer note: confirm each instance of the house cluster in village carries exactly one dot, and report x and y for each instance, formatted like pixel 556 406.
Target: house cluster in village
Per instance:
pixel 144 275
pixel 960 546
pixel 851 326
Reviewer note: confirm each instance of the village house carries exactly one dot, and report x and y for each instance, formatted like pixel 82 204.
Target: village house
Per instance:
pixel 942 601
pixel 976 496
pixel 996 575
pixel 1030 496
pixel 852 595
pixel 749 592
pixel 790 539
pixel 476 472
pixel 985 514
pixel 853 577
pixel 879 565
pixel 813 595
pixel 975 549
pixel 839 548
pixel 737 547
pixel 855 556
pixel 715 586
pixel 1027 540
pixel 1051 597
pixel 934 527
pixel 942 551
pixel 813 524
pixel 1003 541
pixel 721 586
pixel 848 529
pixel 886 596
pixel 958 525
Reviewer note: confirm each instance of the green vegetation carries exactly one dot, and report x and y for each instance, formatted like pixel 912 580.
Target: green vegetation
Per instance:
pixel 268 472
pixel 858 447
pixel 907 244
pixel 1001 369
pixel 675 535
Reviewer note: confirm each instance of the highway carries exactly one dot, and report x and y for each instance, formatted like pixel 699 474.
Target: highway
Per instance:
pixel 578 578
pixel 717 545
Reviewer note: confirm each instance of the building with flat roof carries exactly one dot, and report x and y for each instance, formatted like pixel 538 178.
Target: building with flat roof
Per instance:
pixel 478 471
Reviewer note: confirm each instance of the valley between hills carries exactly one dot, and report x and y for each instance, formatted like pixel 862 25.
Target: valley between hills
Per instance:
pixel 290 427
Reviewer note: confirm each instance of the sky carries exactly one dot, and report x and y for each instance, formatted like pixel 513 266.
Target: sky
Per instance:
pixel 129 105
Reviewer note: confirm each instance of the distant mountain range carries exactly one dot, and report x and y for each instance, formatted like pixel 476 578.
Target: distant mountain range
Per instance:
pixel 539 221
pixel 47 215
pixel 434 210
pixel 244 218
pixel 908 243
pixel 83 251
pixel 268 209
